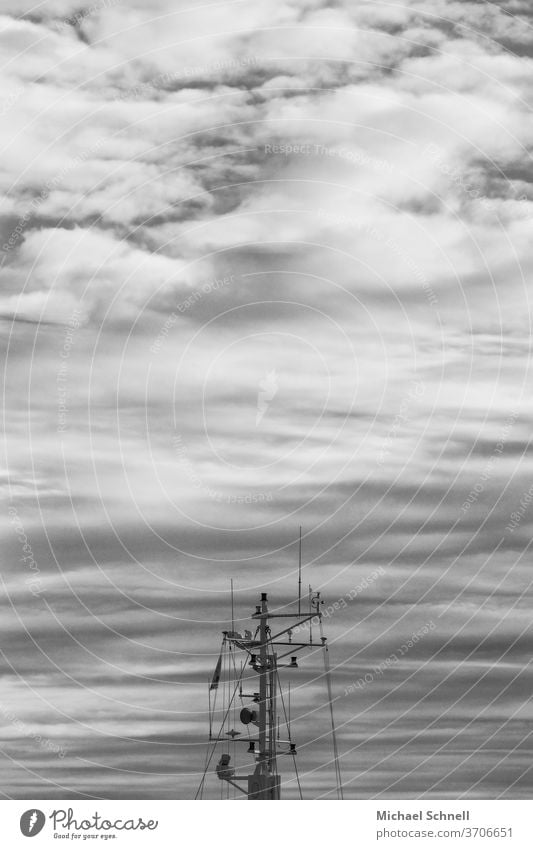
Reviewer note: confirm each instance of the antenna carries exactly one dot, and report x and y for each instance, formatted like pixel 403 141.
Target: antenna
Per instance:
pixel 232 607
pixel 289 716
pixel 300 575
pixel 310 617
pixel 210 713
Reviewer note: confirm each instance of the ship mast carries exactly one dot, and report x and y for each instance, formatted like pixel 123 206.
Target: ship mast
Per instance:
pixel 265 650
pixel 264 780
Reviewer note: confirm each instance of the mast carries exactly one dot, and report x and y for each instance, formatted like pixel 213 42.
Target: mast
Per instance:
pixel 264 660
pixel 265 737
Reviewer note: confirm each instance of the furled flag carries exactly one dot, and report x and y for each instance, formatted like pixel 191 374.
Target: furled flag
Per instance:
pixel 216 676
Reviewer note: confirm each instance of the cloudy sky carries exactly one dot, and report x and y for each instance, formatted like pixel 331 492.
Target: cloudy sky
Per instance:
pixel 262 266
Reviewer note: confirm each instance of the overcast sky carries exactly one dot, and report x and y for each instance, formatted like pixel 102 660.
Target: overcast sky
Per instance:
pixel 262 266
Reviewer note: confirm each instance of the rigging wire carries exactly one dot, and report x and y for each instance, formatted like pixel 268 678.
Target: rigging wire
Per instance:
pixel 209 702
pixel 287 723
pixel 217 740
pixel 224 786
pixel 200 792
pixel 327 673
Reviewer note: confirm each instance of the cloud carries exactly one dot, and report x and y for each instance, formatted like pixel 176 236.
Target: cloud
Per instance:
pixel 58 271
pixel 196 197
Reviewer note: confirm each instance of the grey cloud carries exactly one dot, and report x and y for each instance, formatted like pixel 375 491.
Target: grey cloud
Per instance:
pixel 143 132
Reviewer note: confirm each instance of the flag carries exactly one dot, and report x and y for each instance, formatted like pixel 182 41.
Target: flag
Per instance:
pixel 216 676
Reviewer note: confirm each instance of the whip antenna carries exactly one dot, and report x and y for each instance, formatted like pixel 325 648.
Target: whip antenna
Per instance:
pixel 300 574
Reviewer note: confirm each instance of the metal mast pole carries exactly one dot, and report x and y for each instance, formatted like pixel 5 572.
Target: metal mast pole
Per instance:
pixel 263 685
pixel 264 783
